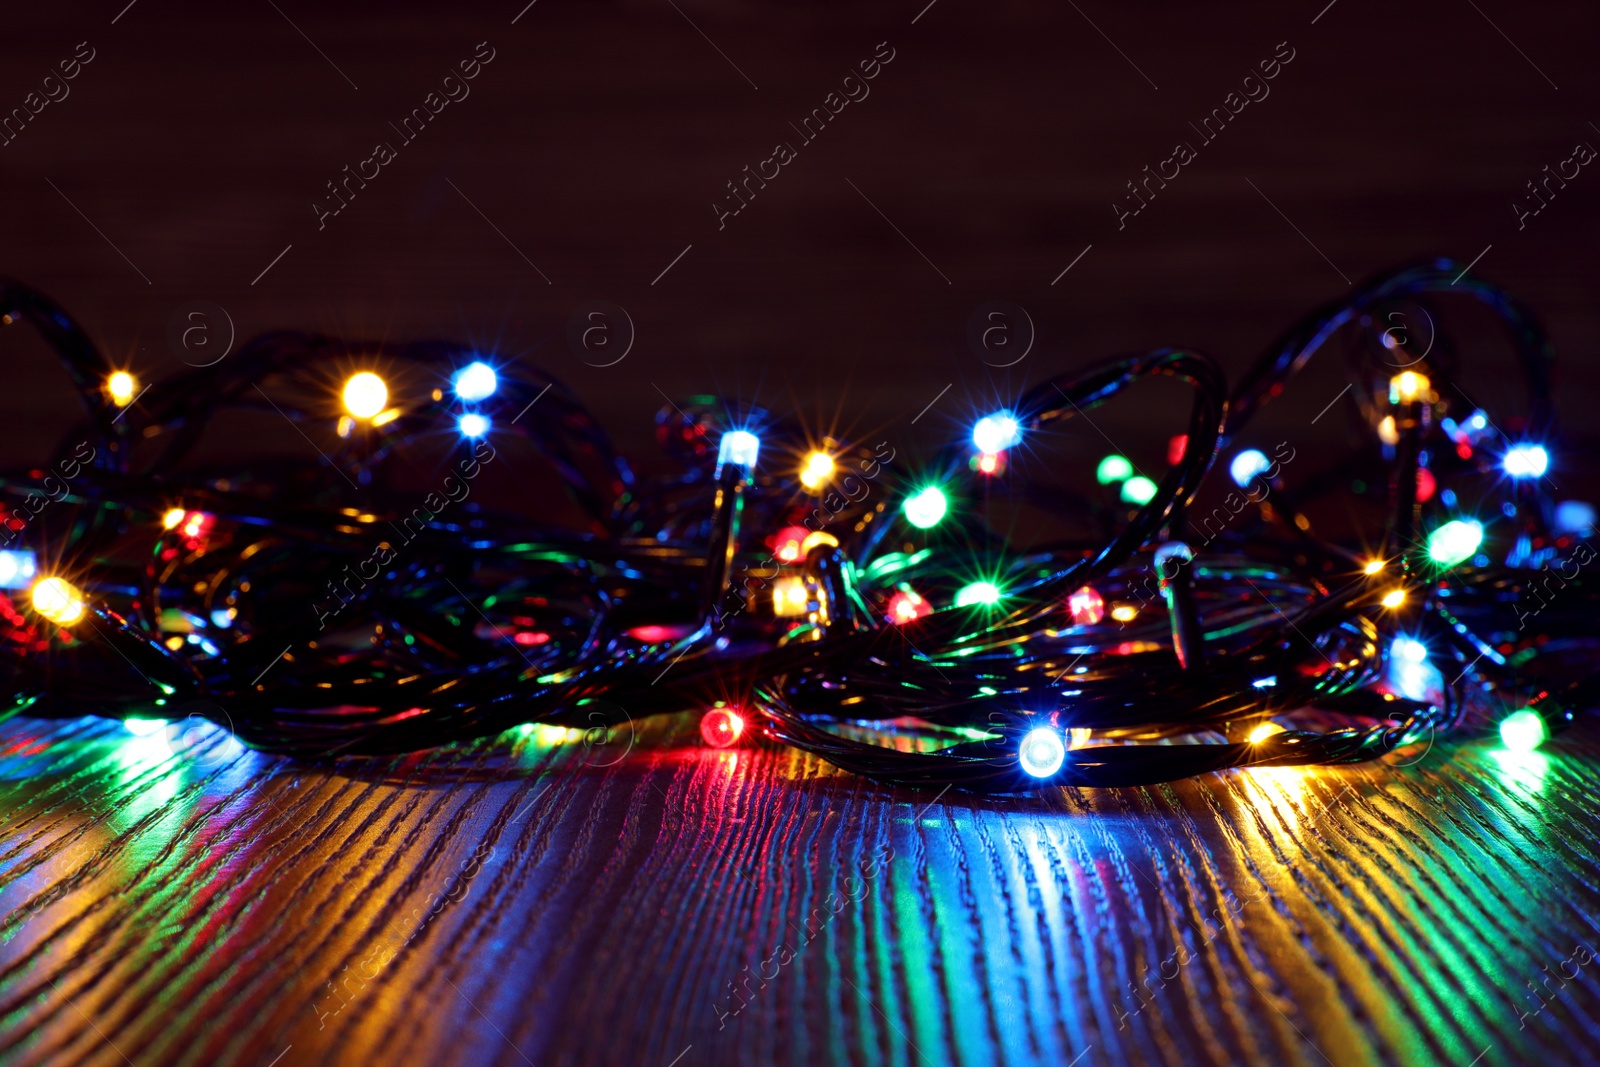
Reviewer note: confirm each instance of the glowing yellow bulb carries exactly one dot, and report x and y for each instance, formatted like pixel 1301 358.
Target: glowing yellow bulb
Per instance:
pixel 1407 386
pixel 365 394
pixel 1393 598
pixel 1374 566
pixel 58 600
pixel 789 597
pixel 818 469
pixel 1387 433
pixel 1124 613
pixel 1262 732
pixel 122 386
pixel 815 538
pixel 172 518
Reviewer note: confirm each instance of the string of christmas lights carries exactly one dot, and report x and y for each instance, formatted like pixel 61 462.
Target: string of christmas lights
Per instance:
pixel 825 594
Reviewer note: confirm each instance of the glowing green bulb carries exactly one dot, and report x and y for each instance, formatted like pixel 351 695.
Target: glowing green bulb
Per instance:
pixel 925 509
pixel 1138 490
pixel 1455 542
pixel 1523 731
pixel 1113 468
pixel 984 593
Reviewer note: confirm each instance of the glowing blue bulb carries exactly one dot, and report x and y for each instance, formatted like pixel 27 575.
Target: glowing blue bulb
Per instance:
pixel 473 425
pixel 1575 517
pixel 738 447
pixel 996 433
pixel 1526 461
pixel 1042 752
pixel 1407 648
pixel 1410 673
pixel 17 568
pixel 1247 464
pixel 475 381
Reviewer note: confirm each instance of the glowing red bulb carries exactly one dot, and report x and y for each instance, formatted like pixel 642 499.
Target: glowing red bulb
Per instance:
pixel 1427 485
pixel 786 543
pixel 906 606
pixel 1176 447
pixel 1088 607
pixel 721 727
pixel 989 462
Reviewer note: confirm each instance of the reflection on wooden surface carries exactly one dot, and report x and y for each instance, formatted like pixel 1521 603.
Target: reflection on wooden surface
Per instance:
pixel 538 900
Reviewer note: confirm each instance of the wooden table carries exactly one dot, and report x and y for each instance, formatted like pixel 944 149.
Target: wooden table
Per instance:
pixel 542 900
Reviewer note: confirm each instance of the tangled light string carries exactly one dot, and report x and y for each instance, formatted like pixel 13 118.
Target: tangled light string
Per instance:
pixel 810 593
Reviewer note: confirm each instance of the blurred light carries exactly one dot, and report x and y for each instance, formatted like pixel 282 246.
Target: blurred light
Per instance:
pixel 721 727
pixel 786 546
pixel 473 425
pixel 989 462
pixel 384 418
pixel 1427 485
pixel 1138 490
pixel 818 469
pixel 1042 752
pixel 172 518
pixel 1410 673
pixel 1393 598
pixel 1124 613
pixel 1526 461
pixel 365 394
pixel 1407 386
pixel 1177 448
pixel 1373 566
pixel 815 538
pixel 1575 517
pixel 1455 541
pixel 122 386
pixel 222 619
pixel 1269 682
pixel 997 432
pixel 739 447
pixel 986 594
pixel 144 727
pixel 1262 732
pixel 1247 464
pixel 58 600
pixel 1113 468
pixel 1167 550
pixel 1088 607
pixel 924 509
pixel 475 381
pixel 1387 433
pixel 790 597
pixel 1523 731
pixel 17 568
pixel 1409 648
pixel 906 606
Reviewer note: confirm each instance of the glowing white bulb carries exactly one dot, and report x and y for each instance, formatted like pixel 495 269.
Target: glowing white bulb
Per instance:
pixel 1042 752
pixel 365 394
pixel 996 433
pixel 475 381
pixel 473 425
pixel 17 568
pixel 739 447
pixel 59 601
pixel 122 386
pixel 1526 461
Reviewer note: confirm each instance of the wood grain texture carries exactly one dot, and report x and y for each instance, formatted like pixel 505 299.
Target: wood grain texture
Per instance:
pixel 541 902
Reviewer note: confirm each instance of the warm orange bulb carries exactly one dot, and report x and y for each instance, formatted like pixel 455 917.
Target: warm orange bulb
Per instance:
pixel 1393 598
pixel 1373 566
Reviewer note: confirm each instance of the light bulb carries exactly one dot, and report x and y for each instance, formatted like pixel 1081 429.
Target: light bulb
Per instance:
pixel 1262 732
pixel 17 567
pixel 122 386
pixel 172 517
pixel 739 447
pixel 58 600
pixel 721 727
pixel 476 381
pixel 925 508
pixel 1523 731
pixel 986 594
pixel 906 606
pixel 1124 613
pixel 365 394
pixel 1088 607
pixel 819 467
pixel 996 433
pixel 1393 598
pixel 1042 752
pixel 1247 464
pixel 790 597
pixel 473 425
pixel 1373 566
pixel 1407 386
pixel 1526 461
pixel 1455 541
pixel 1138 490
pixel 1113 468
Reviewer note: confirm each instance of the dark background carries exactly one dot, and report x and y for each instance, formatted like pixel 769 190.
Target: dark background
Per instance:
pixel 597 140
